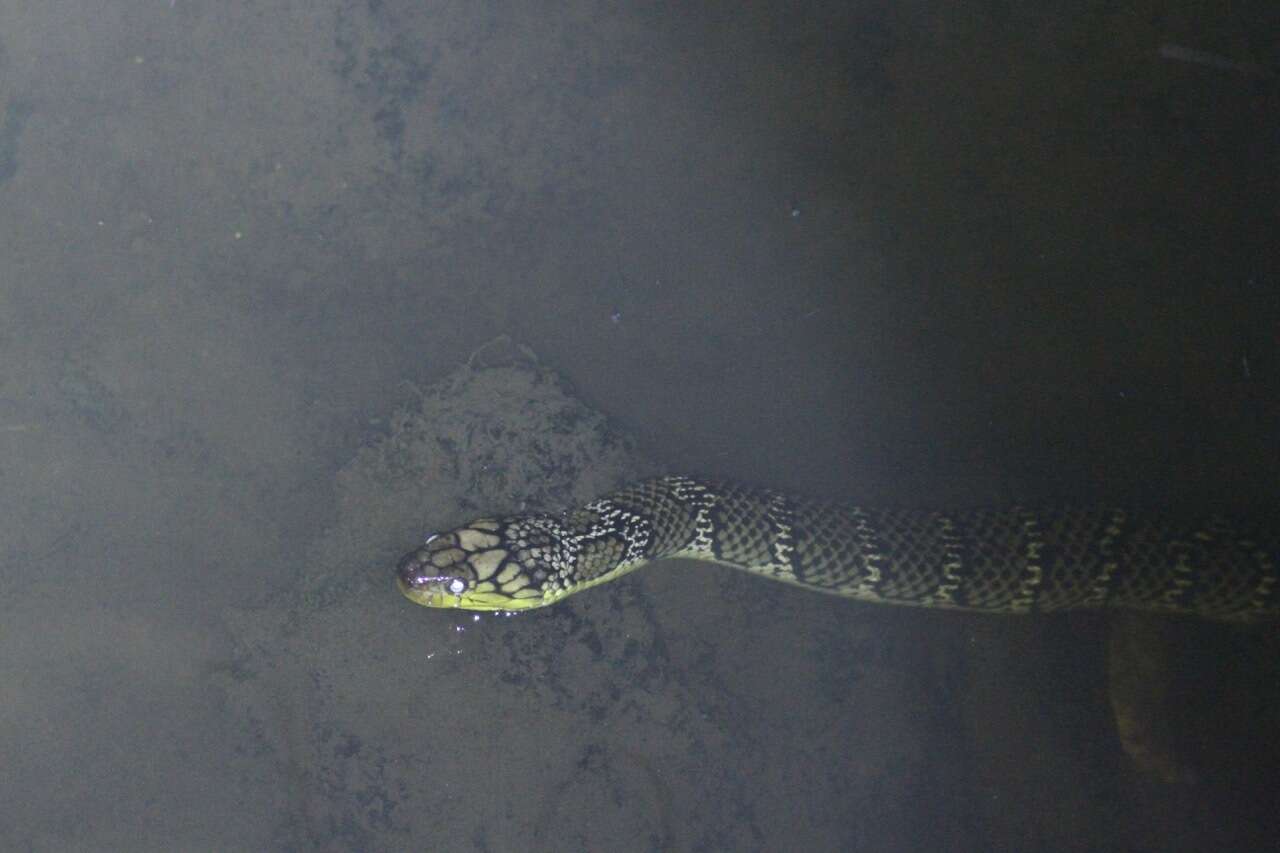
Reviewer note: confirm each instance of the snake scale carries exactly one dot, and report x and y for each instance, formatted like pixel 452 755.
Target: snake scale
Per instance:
pixel 1011 560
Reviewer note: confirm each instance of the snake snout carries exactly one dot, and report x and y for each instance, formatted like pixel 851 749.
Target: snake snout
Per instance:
pixel 435 574
pixel 413 570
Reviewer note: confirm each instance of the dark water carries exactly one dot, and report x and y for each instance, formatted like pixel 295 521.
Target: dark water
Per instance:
pixel 888 252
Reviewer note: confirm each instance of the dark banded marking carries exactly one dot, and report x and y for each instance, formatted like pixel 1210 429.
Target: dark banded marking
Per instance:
pixel 949 592
pixel 871 575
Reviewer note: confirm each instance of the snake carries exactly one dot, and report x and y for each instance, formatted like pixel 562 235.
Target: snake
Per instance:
pixel 1012 559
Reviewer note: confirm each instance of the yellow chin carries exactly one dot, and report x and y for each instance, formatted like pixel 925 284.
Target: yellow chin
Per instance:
pixel 472 600
pixel 426 597
pixel 496 601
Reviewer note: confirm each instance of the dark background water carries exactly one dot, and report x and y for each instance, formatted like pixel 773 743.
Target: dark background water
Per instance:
pixel 895 252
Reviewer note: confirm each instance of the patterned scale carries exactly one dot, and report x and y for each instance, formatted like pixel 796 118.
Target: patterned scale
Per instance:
pixel 1005 560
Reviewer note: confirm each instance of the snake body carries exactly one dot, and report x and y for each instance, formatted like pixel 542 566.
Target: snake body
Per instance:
pixel 1013 560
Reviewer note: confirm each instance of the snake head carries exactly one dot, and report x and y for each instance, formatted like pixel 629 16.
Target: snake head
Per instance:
pixel 476 567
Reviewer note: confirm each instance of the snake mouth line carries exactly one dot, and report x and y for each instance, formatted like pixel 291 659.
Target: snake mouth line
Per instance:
pixel 418 595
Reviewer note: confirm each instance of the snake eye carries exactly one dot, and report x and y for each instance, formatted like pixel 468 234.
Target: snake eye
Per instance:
pixel 457 586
